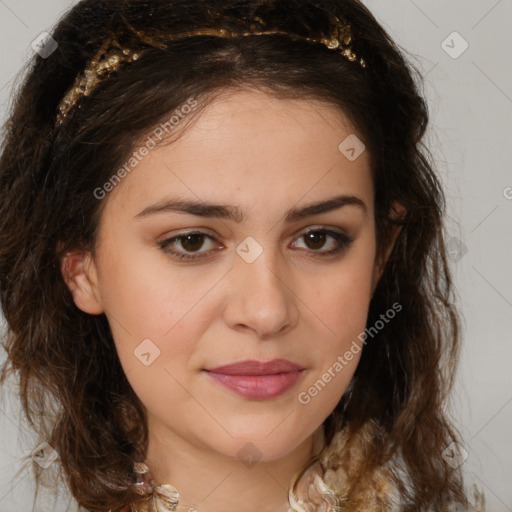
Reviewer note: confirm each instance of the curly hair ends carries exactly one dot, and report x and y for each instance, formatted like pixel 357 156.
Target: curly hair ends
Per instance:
pixel 48 175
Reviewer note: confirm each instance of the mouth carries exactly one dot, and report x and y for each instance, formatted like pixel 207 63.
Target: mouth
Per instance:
pixel 257 380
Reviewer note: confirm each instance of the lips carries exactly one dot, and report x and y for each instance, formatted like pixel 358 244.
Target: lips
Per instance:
pixel 257 380
pixel 252 367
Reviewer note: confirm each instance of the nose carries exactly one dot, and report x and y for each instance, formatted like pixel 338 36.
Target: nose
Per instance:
pixel 261 297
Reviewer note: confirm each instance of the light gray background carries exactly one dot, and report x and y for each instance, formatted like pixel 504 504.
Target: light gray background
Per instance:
pixel 470 100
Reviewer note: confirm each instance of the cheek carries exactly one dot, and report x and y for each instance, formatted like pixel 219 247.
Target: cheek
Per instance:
pixel 157 312
pixel 141 290
pixel 339 305
pixel 337 351
pixel 340 296
pixel 143 302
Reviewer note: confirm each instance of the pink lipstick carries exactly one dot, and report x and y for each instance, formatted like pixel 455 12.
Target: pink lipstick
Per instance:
pixel 257 380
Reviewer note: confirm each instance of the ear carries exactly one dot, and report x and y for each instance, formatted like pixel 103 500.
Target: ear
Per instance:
pixel 79 272
pixel 398 212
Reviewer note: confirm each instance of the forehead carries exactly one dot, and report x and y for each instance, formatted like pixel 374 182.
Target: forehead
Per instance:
pixel 257 147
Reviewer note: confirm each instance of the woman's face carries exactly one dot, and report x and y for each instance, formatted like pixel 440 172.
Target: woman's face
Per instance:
pixel 259 287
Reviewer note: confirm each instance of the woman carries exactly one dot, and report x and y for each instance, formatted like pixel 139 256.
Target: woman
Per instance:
pixel 223 259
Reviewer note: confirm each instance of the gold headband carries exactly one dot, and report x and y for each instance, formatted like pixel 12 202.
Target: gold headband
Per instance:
pixel 111 54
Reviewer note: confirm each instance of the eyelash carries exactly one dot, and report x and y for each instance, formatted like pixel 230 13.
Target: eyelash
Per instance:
pixel 343 243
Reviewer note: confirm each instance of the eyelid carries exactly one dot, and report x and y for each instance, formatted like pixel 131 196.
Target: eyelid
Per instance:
pixel 192 231
pixel 343 239
pixel 210 233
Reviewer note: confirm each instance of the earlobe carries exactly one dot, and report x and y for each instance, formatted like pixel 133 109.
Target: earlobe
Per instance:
pixel 80 275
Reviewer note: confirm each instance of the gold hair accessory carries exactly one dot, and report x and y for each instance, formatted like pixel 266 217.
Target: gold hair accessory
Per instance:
pixel 111 54
pixel 106 60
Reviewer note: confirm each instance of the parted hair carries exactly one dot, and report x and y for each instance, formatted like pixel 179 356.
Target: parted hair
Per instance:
pixel 71 383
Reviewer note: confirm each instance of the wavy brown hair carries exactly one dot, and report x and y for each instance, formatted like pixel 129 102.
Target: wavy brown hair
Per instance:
pixel 65 357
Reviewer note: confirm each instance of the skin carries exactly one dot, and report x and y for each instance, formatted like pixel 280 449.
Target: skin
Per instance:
pixel 266 156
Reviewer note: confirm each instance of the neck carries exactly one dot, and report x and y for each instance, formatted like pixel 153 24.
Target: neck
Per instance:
pixel 211 482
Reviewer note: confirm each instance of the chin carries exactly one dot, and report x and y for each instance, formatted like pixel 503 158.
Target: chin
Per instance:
pixel 259 446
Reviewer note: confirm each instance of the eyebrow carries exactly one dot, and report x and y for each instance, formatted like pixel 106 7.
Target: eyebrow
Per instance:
pixel 234 213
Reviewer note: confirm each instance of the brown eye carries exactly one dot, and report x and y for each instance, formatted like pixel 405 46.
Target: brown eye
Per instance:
pixel 316 239
pixel 192 242
pixel 184 244
pixel 187 247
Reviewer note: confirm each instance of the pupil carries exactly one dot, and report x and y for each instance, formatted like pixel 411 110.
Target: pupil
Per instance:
pixel 317 238
pixel 191 240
